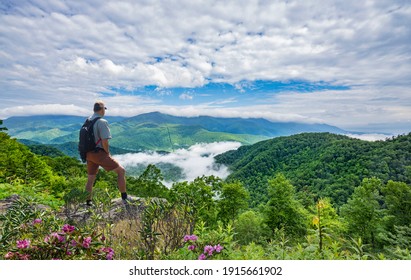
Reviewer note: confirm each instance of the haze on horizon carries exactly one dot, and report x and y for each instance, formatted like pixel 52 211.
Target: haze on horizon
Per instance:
pixel 344 63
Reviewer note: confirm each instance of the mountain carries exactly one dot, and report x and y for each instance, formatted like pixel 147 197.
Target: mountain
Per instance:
pixel 319 164
pixel 46 129
pixel 157 131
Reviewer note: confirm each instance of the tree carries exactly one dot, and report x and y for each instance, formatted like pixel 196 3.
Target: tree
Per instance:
pixel 197 198
pixel 282 209
pixel 249 227
pixel 233 199
pixel 363 212
pixel 2 128
pixel 397 197
pixel 149 184
pixel 326 222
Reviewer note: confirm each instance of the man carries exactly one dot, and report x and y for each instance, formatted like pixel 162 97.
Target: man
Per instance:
pixel 101 156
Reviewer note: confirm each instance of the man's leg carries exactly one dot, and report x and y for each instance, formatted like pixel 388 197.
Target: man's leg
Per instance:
pixel 121 179
pixel 89 185
pixel 92 170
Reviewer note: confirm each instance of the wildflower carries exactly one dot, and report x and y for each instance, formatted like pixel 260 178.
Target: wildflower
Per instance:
pixel 110 256
pixel 208 250
pixel 37 221
pixel 191 247
pixel 23 244
pixel 68 228
pixel 202 257
pixel 109 252
pixel 86 242
pixel 23 256
pixel 218 248
pixel 73 243
pixel 9 255
pixel 103 238
pixel 59 237
pixel 190 237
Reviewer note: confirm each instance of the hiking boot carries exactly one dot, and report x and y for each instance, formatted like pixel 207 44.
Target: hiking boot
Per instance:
pixel 129 200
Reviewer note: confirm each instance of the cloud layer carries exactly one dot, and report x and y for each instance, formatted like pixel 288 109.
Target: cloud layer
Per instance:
pixel 196 161
pixel 70 53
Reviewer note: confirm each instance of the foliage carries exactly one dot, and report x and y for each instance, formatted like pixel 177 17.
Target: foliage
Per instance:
pixel 148 184
pixel 282 209
pixel 249 227
pixel 198 199
pixel 328 227
pixel 206 244
pixel 32 234
pixel 363 211
pixel 398 202
pixel 320 164
pixel 336 199
pixel 2 128
pixel 233 199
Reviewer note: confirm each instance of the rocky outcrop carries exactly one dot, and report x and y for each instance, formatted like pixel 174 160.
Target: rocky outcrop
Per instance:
pixel 116 210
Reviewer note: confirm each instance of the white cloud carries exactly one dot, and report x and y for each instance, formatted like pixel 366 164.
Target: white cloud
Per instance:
pixel 370 137
pixel 196 161
pixel 185 96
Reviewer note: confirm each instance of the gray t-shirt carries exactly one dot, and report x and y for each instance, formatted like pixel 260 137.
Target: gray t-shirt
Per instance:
pixel 101 129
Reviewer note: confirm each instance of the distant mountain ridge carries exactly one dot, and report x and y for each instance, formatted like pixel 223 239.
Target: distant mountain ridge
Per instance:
pixel 157 131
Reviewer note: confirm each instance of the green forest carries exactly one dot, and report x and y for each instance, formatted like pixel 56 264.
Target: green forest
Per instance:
pixel 301 197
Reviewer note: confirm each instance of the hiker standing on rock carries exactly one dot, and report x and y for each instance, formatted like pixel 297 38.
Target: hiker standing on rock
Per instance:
pixel 100 156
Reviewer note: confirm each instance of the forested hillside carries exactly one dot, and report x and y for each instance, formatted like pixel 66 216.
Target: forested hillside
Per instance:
pixel 308 196
pixel 319 164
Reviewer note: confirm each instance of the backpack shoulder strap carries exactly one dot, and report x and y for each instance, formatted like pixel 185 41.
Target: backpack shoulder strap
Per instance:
pixel 92 125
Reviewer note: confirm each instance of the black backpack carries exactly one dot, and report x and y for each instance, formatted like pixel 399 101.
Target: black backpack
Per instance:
pixel 86 138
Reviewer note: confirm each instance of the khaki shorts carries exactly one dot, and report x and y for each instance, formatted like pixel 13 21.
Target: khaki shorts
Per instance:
pixel 100 158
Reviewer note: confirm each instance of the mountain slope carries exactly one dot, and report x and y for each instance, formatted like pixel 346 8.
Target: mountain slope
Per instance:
pixel 253 126
pixel 156 131
pixel 319 164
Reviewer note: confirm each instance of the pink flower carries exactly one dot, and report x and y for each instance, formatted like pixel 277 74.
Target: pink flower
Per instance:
pixel 59 236
pixel 37 221
pixel 208 250
pixel 23 244
pixel 202 257
pixel 68 228
pixel 23 256
pixel 87 242
pixel 218 248
pixel 190 237
pixel 55 236
pixel 110 256
pixel 73 243
pixel 109 252
pixel 191 247
pixel 9 255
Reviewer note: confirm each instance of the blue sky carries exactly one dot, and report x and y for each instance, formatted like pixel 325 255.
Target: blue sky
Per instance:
pixel 344 63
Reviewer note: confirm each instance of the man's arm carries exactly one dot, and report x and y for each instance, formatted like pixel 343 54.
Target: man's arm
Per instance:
pixel 104 143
